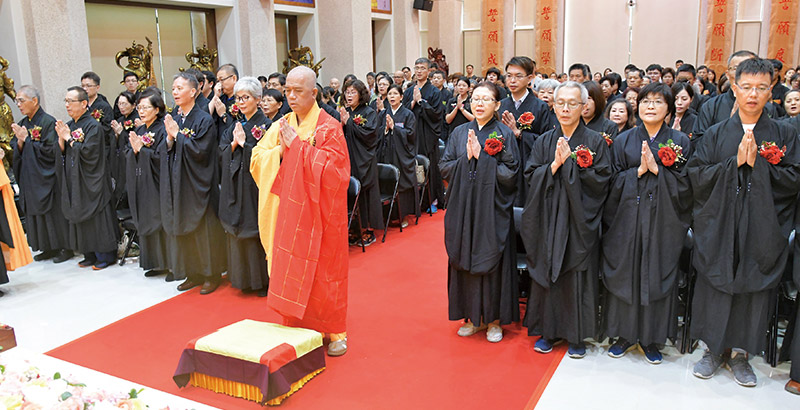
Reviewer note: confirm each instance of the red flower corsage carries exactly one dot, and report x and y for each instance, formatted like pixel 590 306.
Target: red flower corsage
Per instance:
pixel 494 144
pixel 97 114
pixel 148 139
pixel 77 135
pixel 187 133
pixel 770 151
pixel 359 120
pixel 608 139
pixel 583 156
pixel 670 153
pixel 36 133
pixel 258 132
pixel 127 124
pixel 235 110
pixel 525 121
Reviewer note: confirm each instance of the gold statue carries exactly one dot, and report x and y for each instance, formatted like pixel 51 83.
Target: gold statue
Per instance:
pixel 140 62
pixel 205 59
pixel 6 118
pixel 301 56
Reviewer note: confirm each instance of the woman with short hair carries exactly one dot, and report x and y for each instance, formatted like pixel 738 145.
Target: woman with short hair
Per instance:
pixel 620 112
pixel 592 113
pixel 271 104
pixel 125 123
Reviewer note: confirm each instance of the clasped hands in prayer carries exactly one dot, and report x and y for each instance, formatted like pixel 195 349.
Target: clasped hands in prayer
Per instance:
pixel 21 132
pixel 648 161
pixel 511 122
pixel 562 153
pixel 747 150
pixel 64 134
pixel 473 146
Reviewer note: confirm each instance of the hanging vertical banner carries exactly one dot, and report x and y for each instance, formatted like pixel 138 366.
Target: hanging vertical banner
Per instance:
pixel 782 28
pixel 719 34
pixel 546 17
pixel 492 35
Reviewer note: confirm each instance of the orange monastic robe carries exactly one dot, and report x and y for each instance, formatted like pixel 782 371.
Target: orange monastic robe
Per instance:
pixel 309 258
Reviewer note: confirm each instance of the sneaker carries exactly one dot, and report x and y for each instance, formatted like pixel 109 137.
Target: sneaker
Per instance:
pixel 652 354
pixel 100 265
pixel 620 348
pixel 742 371
pixel 353 240
pixel 469 329
pixel 87 263
pixel 577 350
pixel 494 334
pixel 545 346
pixel 368 238
pixel 432 209
pixel 404 224
pixel 708 365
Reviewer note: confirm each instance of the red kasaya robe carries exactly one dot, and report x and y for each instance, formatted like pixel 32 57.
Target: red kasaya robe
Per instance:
pixel 308 276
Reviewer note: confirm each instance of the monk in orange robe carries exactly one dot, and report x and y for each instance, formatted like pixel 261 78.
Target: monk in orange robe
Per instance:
pixel 302 170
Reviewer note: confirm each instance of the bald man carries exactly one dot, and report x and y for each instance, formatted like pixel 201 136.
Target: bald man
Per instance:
pixel 302 170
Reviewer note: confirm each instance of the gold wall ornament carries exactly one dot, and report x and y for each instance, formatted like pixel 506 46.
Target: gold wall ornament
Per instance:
pixel 301 56
pixel 437 57
pixel 205 59
pixel 6 117
pixel 140 62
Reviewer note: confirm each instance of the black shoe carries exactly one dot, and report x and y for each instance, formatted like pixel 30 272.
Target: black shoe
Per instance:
pixel 100 265
pixel 1 293
pixel 63 256
pixel 45 256
pixel 170 277
pixel 368 238
pixel 153 272
pixel 262 293
pixel 87 262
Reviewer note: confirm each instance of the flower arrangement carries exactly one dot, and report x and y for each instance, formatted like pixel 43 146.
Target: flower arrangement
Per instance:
pixel 770 151
pixel 30 389
pixel 189 133
pixel 127 124
pixel 36 133
pixel 148 139
pixel 525 121
pixel 583 156
pixel 494 144
pixel 670 153
pixel 258 131
pixel 359 120
pixel 97 114
pixel 608 139
pixel 77 135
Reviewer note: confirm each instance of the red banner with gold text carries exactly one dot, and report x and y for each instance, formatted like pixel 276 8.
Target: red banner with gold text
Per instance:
pixel 719 34
pixel 782 28
pixel 546 29
pixel 492 32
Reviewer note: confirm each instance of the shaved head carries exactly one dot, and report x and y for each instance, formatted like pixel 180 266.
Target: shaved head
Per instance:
pixel 301 90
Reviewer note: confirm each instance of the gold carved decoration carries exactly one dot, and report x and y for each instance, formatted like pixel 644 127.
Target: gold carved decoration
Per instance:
pixel 6 118
pixel 205 59
pixel 301 56
pixel 140 62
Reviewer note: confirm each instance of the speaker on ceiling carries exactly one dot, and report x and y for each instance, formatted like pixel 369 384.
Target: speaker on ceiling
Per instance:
pixel 426 5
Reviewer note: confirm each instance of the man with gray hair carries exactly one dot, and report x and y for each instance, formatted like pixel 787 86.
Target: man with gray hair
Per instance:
pixel 302 170
pixel 568 173
pixel 35 149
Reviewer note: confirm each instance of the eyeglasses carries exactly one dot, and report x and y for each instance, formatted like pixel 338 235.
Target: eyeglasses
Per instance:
pixel 70 101
pixel 144 107
pixel 481 101
pixel 655 103
pixel 21 100
pixel 351 92
pixel 759 90
pixel 518 77
pixel 219 80
pixel 572 105
pixel 243 98
pixel 84 86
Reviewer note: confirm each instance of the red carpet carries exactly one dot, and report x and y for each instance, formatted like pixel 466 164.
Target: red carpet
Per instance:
pixel 403 352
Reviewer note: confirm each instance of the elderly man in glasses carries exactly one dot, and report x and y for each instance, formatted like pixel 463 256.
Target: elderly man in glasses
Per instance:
pixel 568 172
pixel 35 150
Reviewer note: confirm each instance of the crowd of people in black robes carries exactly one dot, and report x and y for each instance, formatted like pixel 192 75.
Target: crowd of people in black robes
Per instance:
pixel 597 178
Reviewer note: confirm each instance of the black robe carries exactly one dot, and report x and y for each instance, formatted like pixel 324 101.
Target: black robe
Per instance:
pixel 143 180
pixel 202 102
pixel 103 113
pixel 325 107
pixel 86 189
pixel 742 220
pixel 645 220
pixel 479 227
pixel 717 109
pixel 429 116
pixel 444 96
pixel 39 190
pixel 226 120
pixel 117 112
pixel 362 143
pixel 561 233
pixel 459 118
pixel 602 125
pixel 397 148
pixel 374 104
pixel 189 190
pixel 6 238
pixel 238 207
pixel 118 162
pixel 688 122
pixel 542 122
